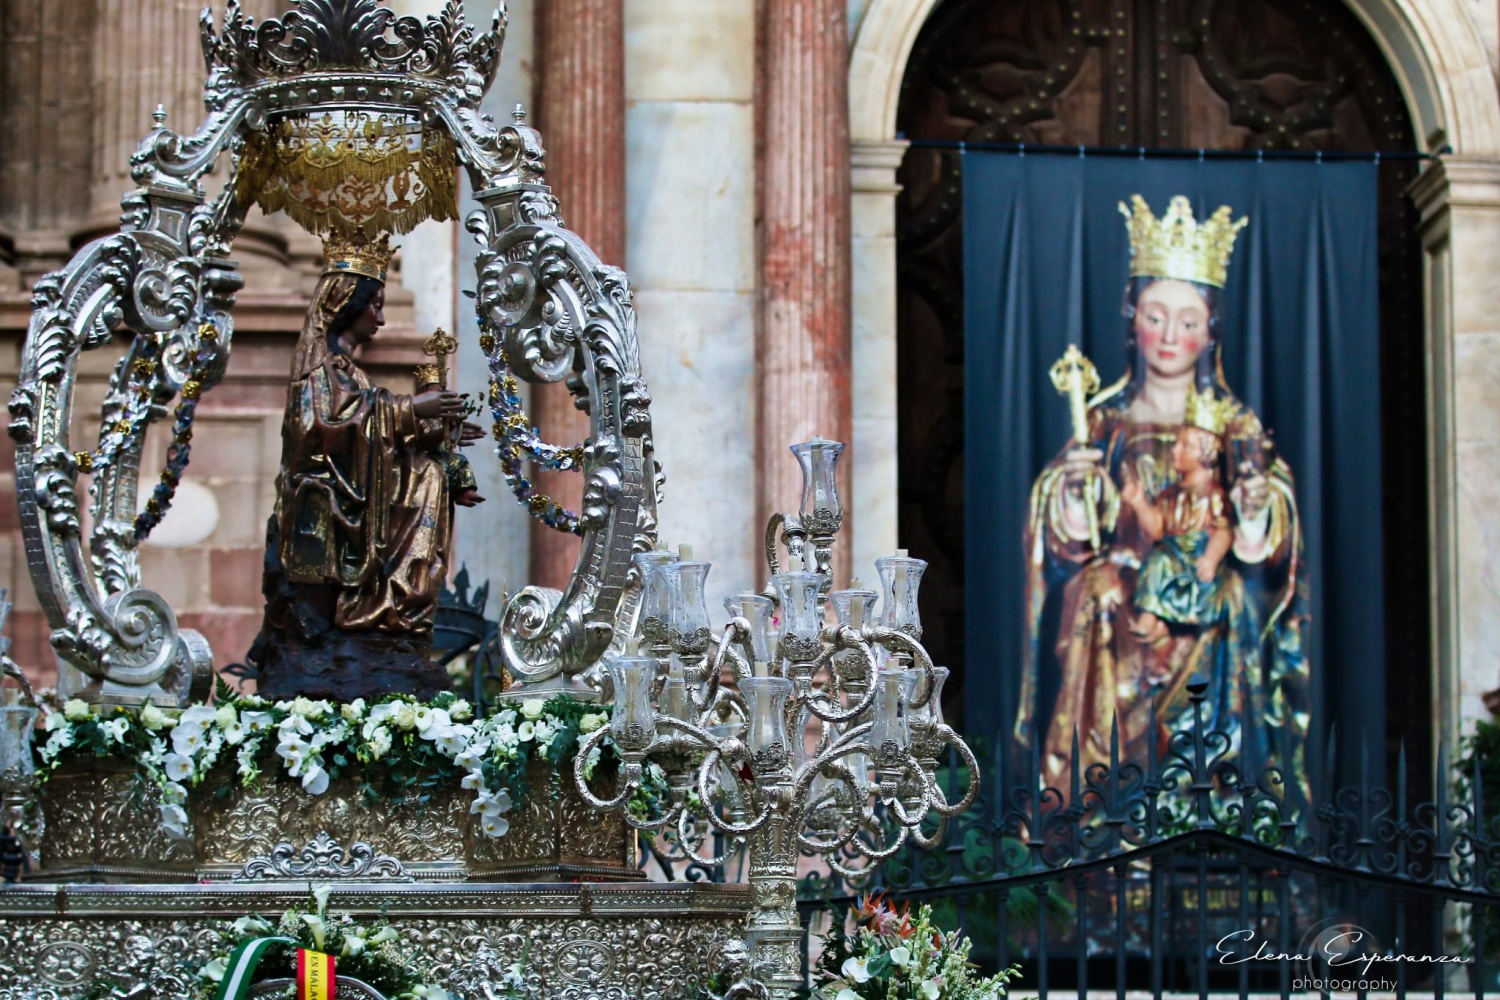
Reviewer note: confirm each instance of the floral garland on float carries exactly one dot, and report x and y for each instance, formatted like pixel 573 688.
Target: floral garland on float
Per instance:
pixel 894 955
pixel 416 745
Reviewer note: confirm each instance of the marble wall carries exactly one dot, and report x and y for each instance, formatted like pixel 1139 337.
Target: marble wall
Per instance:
pixel 690 250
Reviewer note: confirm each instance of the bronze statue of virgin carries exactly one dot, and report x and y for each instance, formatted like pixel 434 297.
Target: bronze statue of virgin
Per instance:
pixel 362 534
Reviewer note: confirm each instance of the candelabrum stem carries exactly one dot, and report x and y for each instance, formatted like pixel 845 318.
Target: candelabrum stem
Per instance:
pixel 775 932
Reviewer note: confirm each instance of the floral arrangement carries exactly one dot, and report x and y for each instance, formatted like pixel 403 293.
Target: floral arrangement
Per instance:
pixel 371 953
pixel 895 956
pixel 419 745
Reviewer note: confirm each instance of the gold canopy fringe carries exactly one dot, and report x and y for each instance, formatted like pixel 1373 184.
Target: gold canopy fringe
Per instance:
pixel 358 171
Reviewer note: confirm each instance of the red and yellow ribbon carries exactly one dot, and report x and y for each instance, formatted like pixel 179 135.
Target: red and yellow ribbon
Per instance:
pixel 315 975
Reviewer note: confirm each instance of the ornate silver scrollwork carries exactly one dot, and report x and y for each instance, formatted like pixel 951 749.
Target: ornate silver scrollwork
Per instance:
pixel 554 309
pixel 324 858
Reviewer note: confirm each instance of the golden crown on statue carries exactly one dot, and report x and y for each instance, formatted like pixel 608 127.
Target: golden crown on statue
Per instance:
pixel 1209 413
pixel 357 255
pixel 1177 245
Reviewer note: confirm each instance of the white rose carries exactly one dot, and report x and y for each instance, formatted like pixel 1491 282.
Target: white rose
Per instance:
pixel 303 707
pixel 226 716
pixel 153 718
pixel 592 721
pixel 406 715
pixel 461 711
pixel 75 710
pixel 532 708
pixel 354 711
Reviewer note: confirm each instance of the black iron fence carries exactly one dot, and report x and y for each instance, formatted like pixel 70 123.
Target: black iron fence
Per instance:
pixel 1203 870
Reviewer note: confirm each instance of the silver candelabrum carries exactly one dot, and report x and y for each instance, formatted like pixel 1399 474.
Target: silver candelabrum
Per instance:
pixel 808 724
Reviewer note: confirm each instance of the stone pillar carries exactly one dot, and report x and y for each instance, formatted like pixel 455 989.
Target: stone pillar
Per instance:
pixel 581 115
pixel 804 337
pixel 874 470
pixel 1459 200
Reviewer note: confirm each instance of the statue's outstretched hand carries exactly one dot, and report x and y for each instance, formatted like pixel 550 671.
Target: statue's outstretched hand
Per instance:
pixel 438 403
pixel 469 498
pixel 469 433
pixel 1251 494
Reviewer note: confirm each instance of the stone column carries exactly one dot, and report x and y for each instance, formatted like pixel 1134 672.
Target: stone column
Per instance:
pixel 581 115
pixel 1459 199
pixel 804 338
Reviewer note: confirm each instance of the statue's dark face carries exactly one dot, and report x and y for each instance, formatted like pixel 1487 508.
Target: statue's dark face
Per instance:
pixel 368 323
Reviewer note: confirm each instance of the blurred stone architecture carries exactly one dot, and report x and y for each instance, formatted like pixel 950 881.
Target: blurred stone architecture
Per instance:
pixel 742 159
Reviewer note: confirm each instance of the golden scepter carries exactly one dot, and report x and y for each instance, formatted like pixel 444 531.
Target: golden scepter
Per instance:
pixel 438 347
pixel 1075 377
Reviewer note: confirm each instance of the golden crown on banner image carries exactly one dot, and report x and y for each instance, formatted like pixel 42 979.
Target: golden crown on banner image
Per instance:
pixel 1177 245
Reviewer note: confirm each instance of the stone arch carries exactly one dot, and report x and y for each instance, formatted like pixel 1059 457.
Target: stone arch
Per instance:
pixel 1433 48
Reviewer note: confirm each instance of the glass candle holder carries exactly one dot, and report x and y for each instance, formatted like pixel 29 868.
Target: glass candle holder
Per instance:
pixel 819 459
pixel 758 610
pixel 801 616
pixel 654 603
pixel 900 576
pixel 926 720
pixel 688 627
pixel 766 736
pixel 17 765
pixel 890 733
pixel 632 724
pixel 856 608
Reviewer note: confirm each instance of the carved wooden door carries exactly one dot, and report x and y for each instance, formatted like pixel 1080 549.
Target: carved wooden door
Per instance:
pixel 1185 74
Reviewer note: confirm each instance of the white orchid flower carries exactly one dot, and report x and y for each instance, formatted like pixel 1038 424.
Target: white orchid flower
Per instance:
pixel 201 716
pixel 256 721
pixel 315 779
pixel 380 742
pixel 494 826
pixel 235 733
pixel 857 969
pixel 177 767
pixel 174 819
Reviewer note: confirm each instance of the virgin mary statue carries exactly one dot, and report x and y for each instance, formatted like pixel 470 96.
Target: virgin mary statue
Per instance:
pixel 1094 655
pixel 361 538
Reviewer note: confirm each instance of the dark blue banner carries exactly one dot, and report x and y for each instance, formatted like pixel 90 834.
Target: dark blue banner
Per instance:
pixel 1046 263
